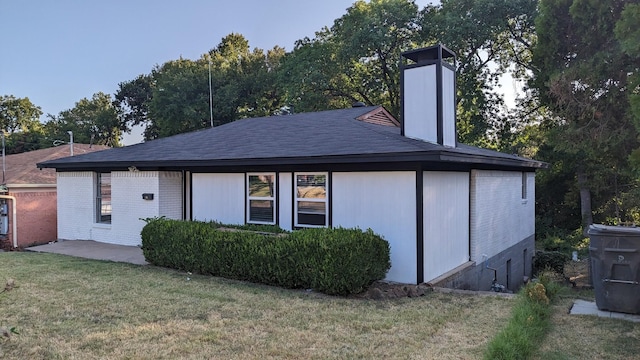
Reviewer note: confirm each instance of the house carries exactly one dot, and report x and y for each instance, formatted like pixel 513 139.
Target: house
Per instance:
pixel 32 193
pixel 450 212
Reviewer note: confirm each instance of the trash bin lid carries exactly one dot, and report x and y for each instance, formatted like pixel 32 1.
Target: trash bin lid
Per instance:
pixel 597 229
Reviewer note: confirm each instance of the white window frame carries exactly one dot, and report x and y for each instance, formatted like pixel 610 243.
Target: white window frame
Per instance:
pixel 297 199
pixel 98 199
pixel 261 198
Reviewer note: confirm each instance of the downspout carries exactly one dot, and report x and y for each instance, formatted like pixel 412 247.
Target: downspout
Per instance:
pixel 15 219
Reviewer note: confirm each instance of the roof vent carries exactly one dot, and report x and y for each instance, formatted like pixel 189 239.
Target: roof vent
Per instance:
pixel 358 104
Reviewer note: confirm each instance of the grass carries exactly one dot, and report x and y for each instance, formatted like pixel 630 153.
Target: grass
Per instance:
pixel 69 308
pixel 587 337
pixel 525 329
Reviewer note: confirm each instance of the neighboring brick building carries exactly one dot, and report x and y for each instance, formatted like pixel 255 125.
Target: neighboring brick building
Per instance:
pixel 35 193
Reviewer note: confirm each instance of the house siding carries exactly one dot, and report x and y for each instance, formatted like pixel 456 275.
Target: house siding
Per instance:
pixel 76 195
pixel 502 228
pixel 446 221
pixel 170 188
pixel 75 205
pixel 500 218
pixel 420 110
pixel 285 201
pixel 128 207
pixel 386 203
pixel 219 197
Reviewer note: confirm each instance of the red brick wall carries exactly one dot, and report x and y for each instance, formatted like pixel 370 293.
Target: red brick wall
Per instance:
pixel 37 217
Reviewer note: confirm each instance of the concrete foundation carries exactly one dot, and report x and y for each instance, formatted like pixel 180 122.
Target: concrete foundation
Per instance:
pixel 512 265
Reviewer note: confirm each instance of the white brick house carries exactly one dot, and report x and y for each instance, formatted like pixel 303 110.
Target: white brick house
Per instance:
pixel 449 211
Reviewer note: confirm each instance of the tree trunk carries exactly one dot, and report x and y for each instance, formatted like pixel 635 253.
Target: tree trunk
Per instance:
pixel 585 201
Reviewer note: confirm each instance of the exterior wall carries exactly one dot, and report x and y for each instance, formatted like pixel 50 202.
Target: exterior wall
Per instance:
pixel 128 207
pixel 502 228
pixel 420 103
pixel 76 195
pixel 36 215
pixel 76 204
pixel 386 203
pixel 219 197
pixel 500 217
pixel 480 277
pixel 170 188
pixel 448 107
pixel 285 201
pixel 446 221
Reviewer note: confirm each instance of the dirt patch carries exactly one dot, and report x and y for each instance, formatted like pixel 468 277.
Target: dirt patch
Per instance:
pixel 577 274
pixel 386 290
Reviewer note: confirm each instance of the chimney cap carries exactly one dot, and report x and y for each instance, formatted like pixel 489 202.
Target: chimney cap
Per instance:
pixel 436 52
pixel 358 104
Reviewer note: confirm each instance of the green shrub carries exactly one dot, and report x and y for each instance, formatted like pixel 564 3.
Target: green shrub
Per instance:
pixel 333 261
pixel 553 260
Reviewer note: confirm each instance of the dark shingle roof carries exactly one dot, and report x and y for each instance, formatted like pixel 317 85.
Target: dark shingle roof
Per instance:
pixel 318 137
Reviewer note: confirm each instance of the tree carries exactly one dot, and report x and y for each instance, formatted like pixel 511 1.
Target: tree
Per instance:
pixel 355 60
pixel 583 76
pixel 20 122
pixel 489 37
pixel 174 98
pixel 180 100
pixel 132 104
pixel 92 120
pixel 18 114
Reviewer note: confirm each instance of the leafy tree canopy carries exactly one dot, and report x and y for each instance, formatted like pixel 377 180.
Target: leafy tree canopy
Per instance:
pixel 92 120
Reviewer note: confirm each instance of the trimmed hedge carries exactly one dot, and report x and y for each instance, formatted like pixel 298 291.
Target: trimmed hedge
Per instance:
pixel 333 261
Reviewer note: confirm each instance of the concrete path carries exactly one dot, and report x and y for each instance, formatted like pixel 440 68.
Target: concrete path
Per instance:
pixel 582 307
pixel 94 250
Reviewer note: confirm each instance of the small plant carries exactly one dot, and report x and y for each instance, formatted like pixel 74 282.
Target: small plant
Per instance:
pixel 538 293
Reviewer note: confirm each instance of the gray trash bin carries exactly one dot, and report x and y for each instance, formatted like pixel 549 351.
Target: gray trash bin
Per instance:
pixel 615 267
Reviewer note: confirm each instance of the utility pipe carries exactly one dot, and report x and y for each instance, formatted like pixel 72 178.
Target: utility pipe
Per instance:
pixel 14 218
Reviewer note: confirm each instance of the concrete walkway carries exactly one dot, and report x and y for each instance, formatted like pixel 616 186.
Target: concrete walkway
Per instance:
pixel 94 250
pixel 582 307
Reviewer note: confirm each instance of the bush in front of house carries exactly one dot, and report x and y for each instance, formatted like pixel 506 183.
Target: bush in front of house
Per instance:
pixel 333 261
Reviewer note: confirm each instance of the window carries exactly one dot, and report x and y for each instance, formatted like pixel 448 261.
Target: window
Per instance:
pixel 524 186
pixel 261 199
pixel 103 198
pixel 311 200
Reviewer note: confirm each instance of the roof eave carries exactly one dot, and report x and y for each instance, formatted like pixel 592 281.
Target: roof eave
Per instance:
pixel 439 156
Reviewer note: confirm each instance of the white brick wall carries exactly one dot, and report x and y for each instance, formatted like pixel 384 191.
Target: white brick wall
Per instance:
pixel 76 209
pixel 75 204
pixel 170 199
pixel 500 218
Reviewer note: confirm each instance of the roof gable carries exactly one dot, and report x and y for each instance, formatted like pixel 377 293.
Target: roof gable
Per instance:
pixel 379 116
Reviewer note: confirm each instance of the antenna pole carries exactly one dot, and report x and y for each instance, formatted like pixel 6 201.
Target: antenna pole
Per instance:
pixel 210 96
pixel 3 161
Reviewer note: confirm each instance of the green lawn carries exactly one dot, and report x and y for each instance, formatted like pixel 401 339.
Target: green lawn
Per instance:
pixel 68 308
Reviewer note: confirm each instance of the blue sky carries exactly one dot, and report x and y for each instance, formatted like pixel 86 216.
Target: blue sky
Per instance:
pixel 58 52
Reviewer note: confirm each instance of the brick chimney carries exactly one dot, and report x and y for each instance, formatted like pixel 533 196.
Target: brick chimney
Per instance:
pixel 428 95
